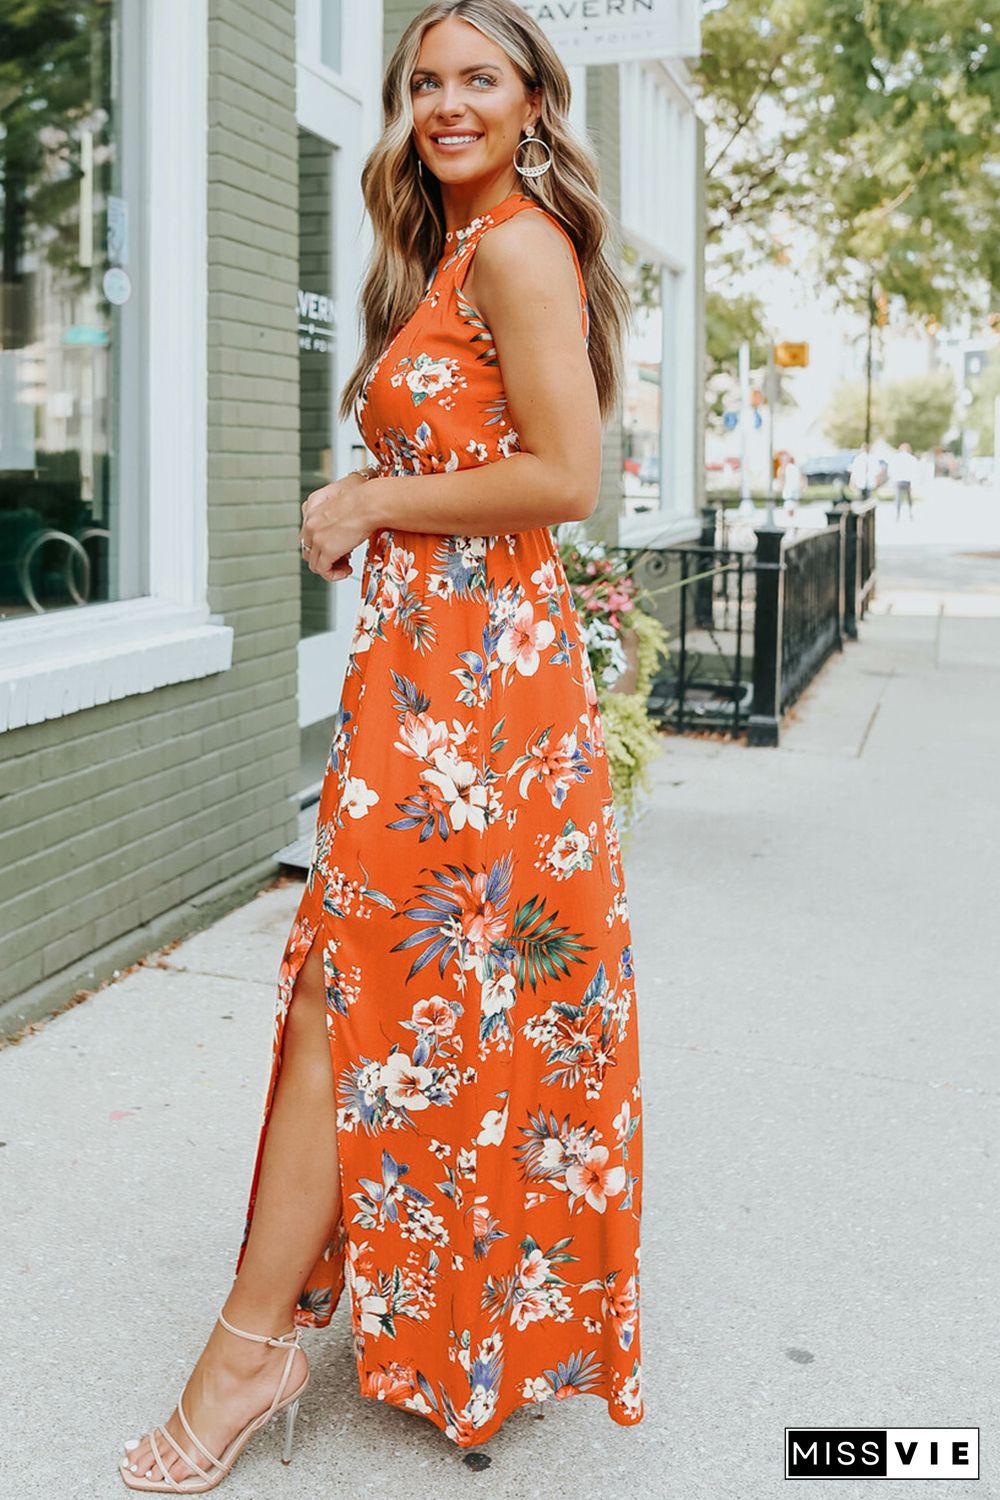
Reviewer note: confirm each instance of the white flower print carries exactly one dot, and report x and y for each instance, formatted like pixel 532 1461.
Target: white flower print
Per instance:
pixel 493 1127
pixel 428 377
pixel 404 1081
pixel 534 1269
pixel 464 797
pixel 498 994
pixel 593 1179
pixel 365 627
pixel 546 579
pixel 358 797
pixel 420 736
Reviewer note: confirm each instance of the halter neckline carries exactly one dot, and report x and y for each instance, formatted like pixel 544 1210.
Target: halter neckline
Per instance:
pixel 464 230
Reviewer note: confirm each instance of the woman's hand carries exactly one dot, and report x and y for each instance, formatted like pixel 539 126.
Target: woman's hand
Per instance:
pixel 334 522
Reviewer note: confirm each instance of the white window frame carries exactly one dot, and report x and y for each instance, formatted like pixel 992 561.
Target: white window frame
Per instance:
pixel 75 658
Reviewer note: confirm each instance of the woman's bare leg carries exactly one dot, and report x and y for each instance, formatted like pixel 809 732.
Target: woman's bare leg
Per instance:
pixel 295 1212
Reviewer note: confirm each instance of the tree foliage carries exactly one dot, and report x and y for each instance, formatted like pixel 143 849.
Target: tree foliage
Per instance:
pixel 844 418
pixel 985 389
pixel 54 71
pixel 874 123
pixel 917 410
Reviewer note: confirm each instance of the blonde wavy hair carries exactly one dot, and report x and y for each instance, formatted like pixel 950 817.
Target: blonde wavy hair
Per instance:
pixel 406 211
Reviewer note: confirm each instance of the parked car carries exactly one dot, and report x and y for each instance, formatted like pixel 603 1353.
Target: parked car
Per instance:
pixel 649 469
pixel 829 468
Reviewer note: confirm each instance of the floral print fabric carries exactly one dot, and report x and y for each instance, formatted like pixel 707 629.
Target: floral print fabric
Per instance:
pixel 466 888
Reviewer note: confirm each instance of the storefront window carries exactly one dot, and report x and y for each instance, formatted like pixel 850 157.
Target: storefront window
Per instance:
pixel 330 34
pixel 316 351
pixel 68 245
pixel 643 410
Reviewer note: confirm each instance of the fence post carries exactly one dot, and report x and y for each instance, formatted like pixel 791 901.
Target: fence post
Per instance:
pixel 765 716
pixel 703 587
pixel 843 516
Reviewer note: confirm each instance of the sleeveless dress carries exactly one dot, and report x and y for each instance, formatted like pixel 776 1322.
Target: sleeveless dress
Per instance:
pixel 466 887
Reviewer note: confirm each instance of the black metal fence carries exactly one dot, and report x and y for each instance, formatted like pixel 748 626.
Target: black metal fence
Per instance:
pixel 752 613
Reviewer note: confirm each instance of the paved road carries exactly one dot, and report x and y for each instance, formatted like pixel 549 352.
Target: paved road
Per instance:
pixel 817 949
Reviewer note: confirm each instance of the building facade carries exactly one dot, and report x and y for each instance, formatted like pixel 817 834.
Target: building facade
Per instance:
pixel 183 241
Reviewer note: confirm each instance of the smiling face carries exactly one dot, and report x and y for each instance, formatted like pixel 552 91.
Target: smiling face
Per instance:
pixel 470 108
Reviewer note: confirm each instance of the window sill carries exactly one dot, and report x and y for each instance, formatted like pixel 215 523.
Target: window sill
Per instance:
pixel 57 664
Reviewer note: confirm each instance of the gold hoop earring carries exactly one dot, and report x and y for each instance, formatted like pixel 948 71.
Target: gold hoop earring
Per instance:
pixel 544 166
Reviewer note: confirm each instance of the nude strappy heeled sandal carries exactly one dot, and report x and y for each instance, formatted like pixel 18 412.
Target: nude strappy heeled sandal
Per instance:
pixel 193 1485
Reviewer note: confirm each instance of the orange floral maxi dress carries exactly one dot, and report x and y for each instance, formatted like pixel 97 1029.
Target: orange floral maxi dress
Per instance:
pixel 466 887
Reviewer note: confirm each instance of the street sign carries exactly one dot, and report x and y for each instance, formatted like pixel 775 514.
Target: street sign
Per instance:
pixel 791 356
pixel 608 31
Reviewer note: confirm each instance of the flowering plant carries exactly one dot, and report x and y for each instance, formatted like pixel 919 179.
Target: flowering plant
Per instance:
pixel 606 598
pixel 620 632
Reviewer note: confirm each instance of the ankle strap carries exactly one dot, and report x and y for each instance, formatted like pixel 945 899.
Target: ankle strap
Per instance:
pixel 283 1341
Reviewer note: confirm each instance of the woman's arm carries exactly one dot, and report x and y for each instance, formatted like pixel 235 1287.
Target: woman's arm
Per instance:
pixel 526 290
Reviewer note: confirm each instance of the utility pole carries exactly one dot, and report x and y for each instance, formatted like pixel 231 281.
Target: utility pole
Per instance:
pixel 772 401
pixel 745 414
pixel 868 389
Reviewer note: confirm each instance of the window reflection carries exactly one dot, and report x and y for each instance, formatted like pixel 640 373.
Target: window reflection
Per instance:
pixel 330 35
pixel 642 408
pixel 64 278
pixel 316 352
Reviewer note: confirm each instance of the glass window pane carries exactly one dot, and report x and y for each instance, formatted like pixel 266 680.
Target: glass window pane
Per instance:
pixel 316 352
pixel 330 34
pixel 64 283
pixel 642 415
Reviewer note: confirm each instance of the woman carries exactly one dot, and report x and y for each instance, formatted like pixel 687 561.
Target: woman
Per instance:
pixel 459 972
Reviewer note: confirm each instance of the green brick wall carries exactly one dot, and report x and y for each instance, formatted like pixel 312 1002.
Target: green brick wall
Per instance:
pixel 126 825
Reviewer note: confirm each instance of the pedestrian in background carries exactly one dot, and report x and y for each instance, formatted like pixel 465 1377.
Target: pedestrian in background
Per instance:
pixel 791 485
pixel 864 472
pixel 904 471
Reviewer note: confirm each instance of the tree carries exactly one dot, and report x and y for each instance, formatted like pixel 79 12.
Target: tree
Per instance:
pixel 874 124
pixel 844 418
pixel 730 320
pixel 55 68
pixel 918 409
pixel 985 389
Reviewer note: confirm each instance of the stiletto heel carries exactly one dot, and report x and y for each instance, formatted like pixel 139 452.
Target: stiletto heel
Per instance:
pixel 203 1480
pixel 293 1411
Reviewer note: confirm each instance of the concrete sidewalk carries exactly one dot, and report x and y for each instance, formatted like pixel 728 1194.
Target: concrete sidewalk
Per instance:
pixel 817 951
